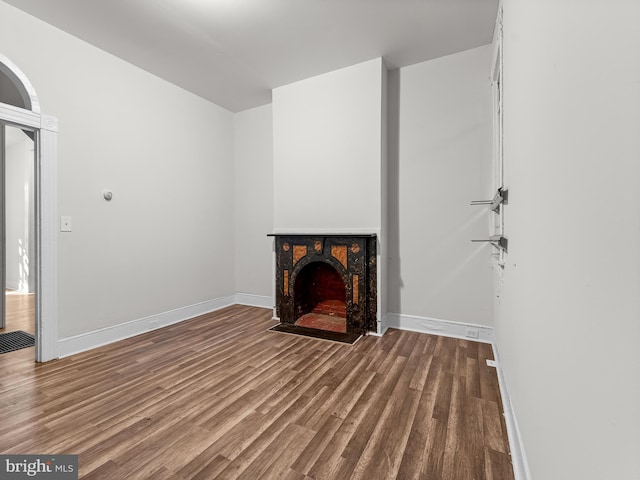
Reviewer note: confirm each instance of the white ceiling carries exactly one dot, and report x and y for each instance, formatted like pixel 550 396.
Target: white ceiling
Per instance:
pixel 233 52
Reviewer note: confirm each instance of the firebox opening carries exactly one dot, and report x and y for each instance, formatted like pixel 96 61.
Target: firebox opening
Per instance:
pixel 320 298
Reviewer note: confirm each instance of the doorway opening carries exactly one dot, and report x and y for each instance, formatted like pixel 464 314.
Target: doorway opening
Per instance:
pixel 18 259
pixel 28 146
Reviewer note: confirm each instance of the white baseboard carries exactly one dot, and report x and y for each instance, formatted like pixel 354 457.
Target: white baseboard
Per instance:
pixel 252 300
pixel 97 338
pixel 435 326
pixel 516 446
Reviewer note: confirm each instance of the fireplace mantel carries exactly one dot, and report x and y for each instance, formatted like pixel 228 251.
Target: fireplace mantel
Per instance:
pixel 351 255
pixel 315 234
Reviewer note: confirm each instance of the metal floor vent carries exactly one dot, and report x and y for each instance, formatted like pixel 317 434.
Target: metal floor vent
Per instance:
pixel 12 341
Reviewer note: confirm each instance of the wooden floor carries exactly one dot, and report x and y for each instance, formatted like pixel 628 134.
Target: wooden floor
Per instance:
pixel 219 397
pixel 20 313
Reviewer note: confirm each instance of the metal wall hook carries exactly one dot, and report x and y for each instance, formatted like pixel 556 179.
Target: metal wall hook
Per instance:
pixel 501 197
pixel 497 241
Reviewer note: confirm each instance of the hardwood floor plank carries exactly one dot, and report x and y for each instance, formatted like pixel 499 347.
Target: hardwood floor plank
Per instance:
pixel 406 346
pixel 492 427
pixel 281 455
pixel 498 465
pixel 388 443
pixel 360 456
pixel 210 470
pixel 342 397
pixel 432 468
pixel 253 446
pixel 309 455
pixel 422 368
pixel 293 475
pixel 472 350
pixel 419 442
pixel 473 378
pixel 485 351
pixel 20 313
pixel 331 457
pixel 460 367
pixel 443 396
pixel 451 461
pixel 106 471
pixel 489 389
pixel 220 397
pixel 471 441
pixel 361 436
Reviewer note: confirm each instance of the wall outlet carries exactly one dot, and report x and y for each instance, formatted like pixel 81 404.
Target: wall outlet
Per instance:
pixel 65 224
pixel 472 333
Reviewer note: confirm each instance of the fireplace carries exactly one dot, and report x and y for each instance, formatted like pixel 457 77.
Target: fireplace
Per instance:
pixel 327 282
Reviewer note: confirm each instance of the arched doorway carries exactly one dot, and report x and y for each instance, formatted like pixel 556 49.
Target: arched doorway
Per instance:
pixel 20 109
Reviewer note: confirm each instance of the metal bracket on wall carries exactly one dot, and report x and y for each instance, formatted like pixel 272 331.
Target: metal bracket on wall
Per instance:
pixel 501 197
pixel 497 241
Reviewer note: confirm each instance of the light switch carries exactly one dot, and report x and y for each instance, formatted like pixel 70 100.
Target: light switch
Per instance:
pixel 65 224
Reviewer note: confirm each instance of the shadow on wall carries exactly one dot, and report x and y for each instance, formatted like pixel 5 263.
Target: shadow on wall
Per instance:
pixel 24 277
pixel 439 144
pixel 394 267
pixel 20 215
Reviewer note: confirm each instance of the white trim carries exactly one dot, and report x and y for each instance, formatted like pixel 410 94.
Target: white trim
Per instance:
pixel 47 241
pixel 383 325
pixel 516 446
pixel 46 201
pixel 437 326
pixel 252 300
pixel 49 123
pixel 19 117
pixel 104 336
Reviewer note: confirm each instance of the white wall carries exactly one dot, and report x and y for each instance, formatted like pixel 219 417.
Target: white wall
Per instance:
pixel 327 151
pixel 329 165
pixel 19 197
pixel 254 201
pixel 166 239
pixel 567 324
pixel 439 161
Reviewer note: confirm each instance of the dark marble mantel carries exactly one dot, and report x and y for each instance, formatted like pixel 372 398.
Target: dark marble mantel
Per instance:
pixel 352 256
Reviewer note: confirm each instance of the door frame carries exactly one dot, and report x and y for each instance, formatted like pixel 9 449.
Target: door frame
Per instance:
pixel 3 229
pixel 45 128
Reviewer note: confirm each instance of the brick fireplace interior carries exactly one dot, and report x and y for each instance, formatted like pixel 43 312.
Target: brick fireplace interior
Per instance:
pixel 320 298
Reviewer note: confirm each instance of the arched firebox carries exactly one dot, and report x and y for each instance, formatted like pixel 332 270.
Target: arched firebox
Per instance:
pixel 319 298
pixel 327 282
